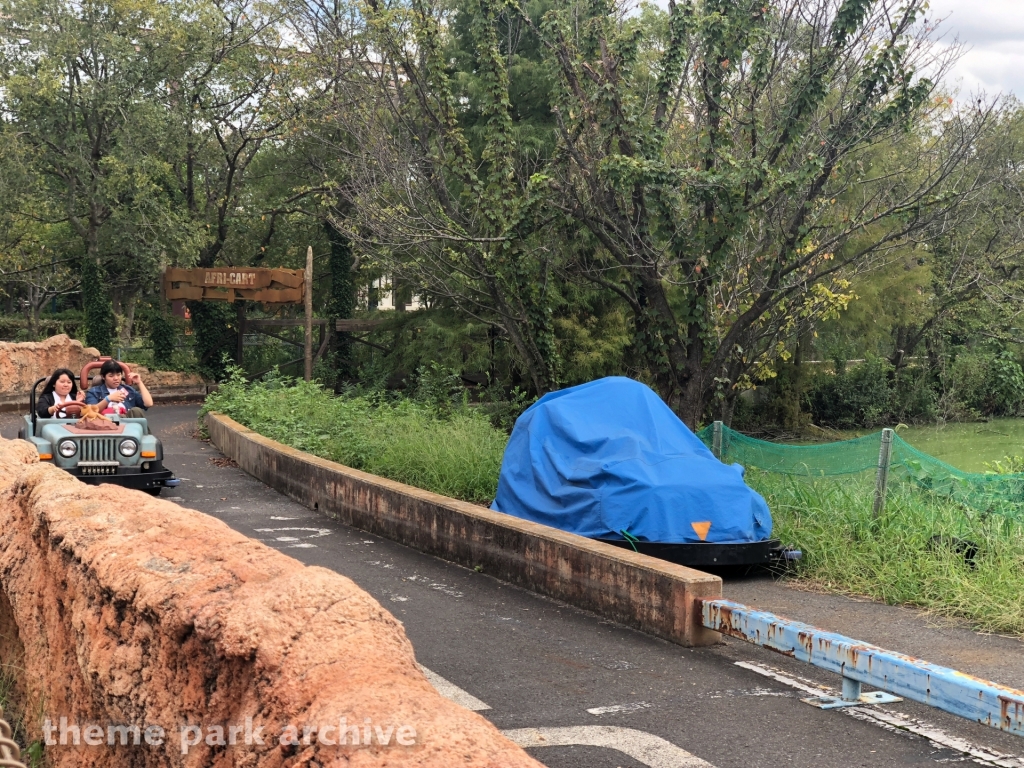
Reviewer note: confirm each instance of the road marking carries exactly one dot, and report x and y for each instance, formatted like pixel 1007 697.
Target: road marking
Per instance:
pixel 733 693
pixel 425 580
pixel 619 708
pixel 311 533
pixel 452 692
pixel 653 751
pixel 894 721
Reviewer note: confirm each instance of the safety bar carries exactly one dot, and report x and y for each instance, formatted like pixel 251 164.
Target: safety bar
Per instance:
pixel 946 689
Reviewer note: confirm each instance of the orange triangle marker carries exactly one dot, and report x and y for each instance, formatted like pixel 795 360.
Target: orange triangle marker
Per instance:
pixel 702 529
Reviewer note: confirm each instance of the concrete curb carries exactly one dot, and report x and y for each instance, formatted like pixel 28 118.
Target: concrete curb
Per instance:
pixel 643 592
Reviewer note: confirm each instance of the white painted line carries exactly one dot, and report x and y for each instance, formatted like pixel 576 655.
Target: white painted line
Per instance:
pixel 619 708
pixel 317 532
pixel 735 693
pixel 894 721
pixel 452 692
pixel 443 588
pixel 653 751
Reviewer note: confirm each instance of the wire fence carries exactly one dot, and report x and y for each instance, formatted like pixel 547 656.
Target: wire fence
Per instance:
pixel 986 492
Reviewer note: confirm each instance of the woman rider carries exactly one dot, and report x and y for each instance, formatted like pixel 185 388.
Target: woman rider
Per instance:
pixel 60 390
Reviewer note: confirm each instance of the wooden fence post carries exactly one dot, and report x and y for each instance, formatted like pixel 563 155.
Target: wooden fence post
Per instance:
pixel 882 478
pixel 308 374
pixel 716 439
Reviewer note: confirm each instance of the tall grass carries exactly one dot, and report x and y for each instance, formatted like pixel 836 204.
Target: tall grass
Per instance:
pixel 455 452
pixel 918 552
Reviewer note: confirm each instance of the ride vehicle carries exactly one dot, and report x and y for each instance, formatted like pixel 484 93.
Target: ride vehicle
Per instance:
pixel 124 453
pixel 609 460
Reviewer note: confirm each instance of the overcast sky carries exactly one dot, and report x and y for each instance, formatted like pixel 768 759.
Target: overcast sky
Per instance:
pixel 993 31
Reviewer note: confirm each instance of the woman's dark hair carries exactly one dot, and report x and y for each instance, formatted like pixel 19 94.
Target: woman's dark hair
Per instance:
pixel 48 389
pixel 110 366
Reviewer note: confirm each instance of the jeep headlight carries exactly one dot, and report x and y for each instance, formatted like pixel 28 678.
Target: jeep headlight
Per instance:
pixel 67 448
pixel 128 447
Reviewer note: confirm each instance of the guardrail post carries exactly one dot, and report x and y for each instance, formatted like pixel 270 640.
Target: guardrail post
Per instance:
pixel 882 478
pixel 851 689
pixel 716 439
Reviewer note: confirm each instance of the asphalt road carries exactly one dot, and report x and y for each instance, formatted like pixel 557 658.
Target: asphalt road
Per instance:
pixel 591 693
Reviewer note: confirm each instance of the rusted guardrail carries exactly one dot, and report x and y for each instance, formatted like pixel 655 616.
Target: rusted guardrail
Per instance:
pixel 862 663
pixel 10 753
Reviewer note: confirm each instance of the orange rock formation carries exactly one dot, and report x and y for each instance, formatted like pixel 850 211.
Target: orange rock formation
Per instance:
pixel 121 610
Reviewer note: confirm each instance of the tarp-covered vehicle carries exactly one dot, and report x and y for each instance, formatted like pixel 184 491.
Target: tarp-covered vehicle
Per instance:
pixel 610 460
pixel 125 453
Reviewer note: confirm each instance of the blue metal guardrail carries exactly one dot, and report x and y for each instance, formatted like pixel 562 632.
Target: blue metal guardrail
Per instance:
pixel 959 694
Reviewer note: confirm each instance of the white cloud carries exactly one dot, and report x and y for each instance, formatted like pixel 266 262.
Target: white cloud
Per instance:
pixel 992 32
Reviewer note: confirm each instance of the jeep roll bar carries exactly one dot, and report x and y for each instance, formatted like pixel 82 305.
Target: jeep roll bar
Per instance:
pixel 84 383
pixel 32 402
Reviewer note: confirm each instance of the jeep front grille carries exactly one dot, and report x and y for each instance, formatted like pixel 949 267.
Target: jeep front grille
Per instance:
pixel 98 449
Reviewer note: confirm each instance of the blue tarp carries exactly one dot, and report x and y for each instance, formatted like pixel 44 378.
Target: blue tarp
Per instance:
pixel 609 456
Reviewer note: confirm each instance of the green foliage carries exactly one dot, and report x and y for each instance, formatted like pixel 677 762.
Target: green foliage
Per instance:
pixel 896 558
pixel 163 335
pixel 215 336
pixel 16 328
pixel 99 316
pixel 870 394
pixel 458 454
pixel 1005 385
pixel 1008 465
pixel 733 230
pixel 982 383
pixel 503 410
pixel 438 387
pixel 342 302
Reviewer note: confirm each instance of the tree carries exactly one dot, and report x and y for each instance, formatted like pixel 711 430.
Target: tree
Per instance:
pixel 439 187
pixel 727 169
pixel 81 85
pixel 233 107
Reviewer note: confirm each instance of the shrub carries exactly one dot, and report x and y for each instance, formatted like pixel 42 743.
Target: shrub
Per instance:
pixel 163 335
pixel 457 453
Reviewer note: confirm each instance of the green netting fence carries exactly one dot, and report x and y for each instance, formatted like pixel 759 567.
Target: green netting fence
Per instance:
pixel 1002 494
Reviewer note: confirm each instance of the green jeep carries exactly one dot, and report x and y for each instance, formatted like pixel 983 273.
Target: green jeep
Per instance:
pixel 129 456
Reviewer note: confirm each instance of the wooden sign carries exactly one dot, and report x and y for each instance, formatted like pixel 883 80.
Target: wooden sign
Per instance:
pixel 270 286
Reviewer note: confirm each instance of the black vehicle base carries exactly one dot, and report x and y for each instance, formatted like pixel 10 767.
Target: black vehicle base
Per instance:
pixel 707 555
pixel 140 481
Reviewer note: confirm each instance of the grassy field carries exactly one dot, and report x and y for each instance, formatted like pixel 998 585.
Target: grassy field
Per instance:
pixel 918 553
pixel 456 453
pixel 912 555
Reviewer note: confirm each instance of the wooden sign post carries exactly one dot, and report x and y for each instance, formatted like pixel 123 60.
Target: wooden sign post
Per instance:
pixel 270 286
pixel 266 285
pixel 308 373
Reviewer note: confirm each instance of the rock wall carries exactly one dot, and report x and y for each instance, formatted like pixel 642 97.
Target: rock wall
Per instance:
pixel 21 364
pixel 128 612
